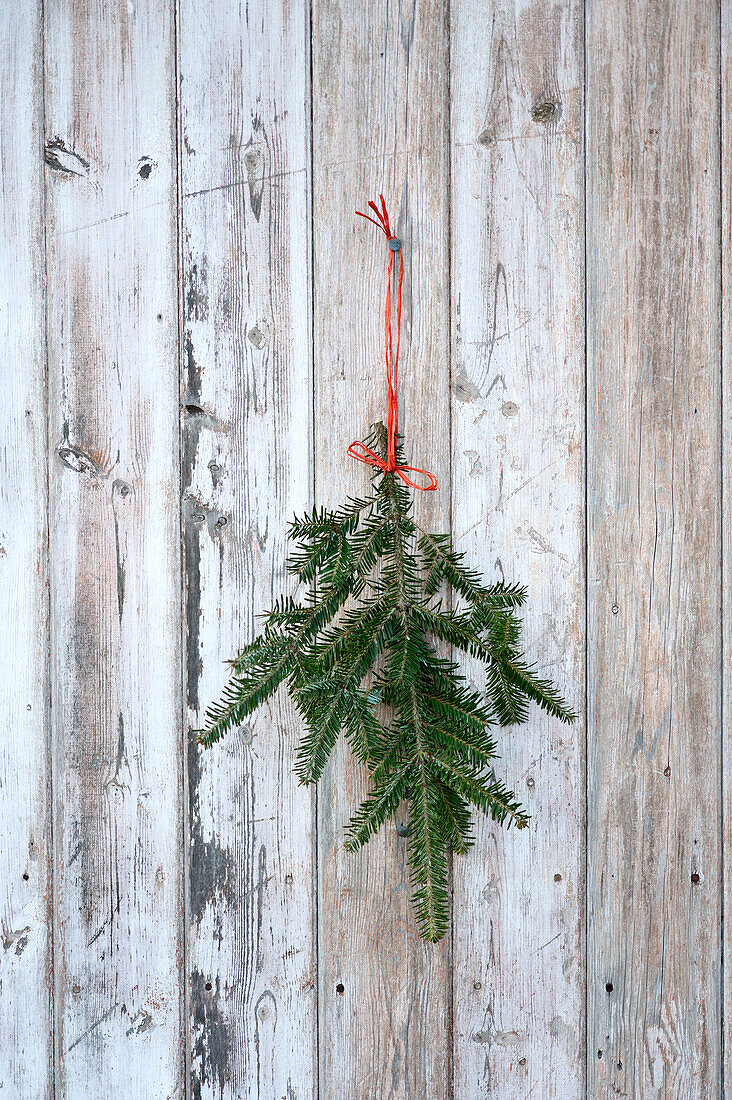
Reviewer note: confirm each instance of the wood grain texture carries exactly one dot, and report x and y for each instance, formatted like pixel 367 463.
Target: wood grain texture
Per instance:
pixel 654 742
pixel 112 346
pixel 726 321
pixel 177 924
pixel 518 503
pixel 246 468
pixel 26 1051
pixel 379 124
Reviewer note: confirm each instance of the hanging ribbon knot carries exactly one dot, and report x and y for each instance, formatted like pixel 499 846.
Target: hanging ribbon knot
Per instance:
pixel 359 450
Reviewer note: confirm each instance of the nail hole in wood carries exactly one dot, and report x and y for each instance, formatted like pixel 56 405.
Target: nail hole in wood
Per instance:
pixel 208 985
pixel 615 609
pixel 608 987
pixel 557 877
pixel 340 989
pixel 667 770
pixel 522 1061
pixel 695 878
pixel 26 876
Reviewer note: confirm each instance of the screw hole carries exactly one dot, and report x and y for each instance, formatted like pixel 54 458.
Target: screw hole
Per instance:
pixel 208 985
pixel 26 876
pixel 340 989
pixel 609 987
pixel 696 877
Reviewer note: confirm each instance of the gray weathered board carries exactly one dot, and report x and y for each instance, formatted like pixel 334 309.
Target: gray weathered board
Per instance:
pixel 190 333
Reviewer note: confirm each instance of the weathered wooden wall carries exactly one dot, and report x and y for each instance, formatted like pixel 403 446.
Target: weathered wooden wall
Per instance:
pixel 190 343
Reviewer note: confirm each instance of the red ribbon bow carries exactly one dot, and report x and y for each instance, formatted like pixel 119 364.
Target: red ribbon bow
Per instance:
pixel 359 450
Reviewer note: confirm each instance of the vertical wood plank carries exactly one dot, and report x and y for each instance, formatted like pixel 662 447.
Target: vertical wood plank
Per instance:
pixel 26 1053
pixel 726 318
pixel 380 88
pixel 518 501
pixel 247 397
pixel 653 549
pixel 112 345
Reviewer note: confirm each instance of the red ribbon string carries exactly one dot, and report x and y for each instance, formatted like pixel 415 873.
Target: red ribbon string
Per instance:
pixel 359 450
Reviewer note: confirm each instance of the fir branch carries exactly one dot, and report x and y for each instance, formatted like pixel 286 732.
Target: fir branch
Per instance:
pixel 427 848
pixel 358 654
pixel 376 807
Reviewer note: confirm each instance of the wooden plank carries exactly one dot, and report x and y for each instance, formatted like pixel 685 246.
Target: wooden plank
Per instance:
pixel 26 1055
pixel 246 468
pixel 726 317
pixel 112 345
pixel 380 86
pixel 518 501
pixel 654 737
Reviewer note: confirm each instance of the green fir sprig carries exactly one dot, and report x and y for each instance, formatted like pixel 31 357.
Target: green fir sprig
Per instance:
pixel 359 654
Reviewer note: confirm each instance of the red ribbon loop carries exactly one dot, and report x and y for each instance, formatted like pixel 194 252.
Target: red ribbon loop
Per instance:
pixel 370 458
pixel 365 454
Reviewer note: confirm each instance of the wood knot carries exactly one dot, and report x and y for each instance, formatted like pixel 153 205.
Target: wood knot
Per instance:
pixel 77 460
pixel 65 161
pixel 546 110
pixel 145 166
